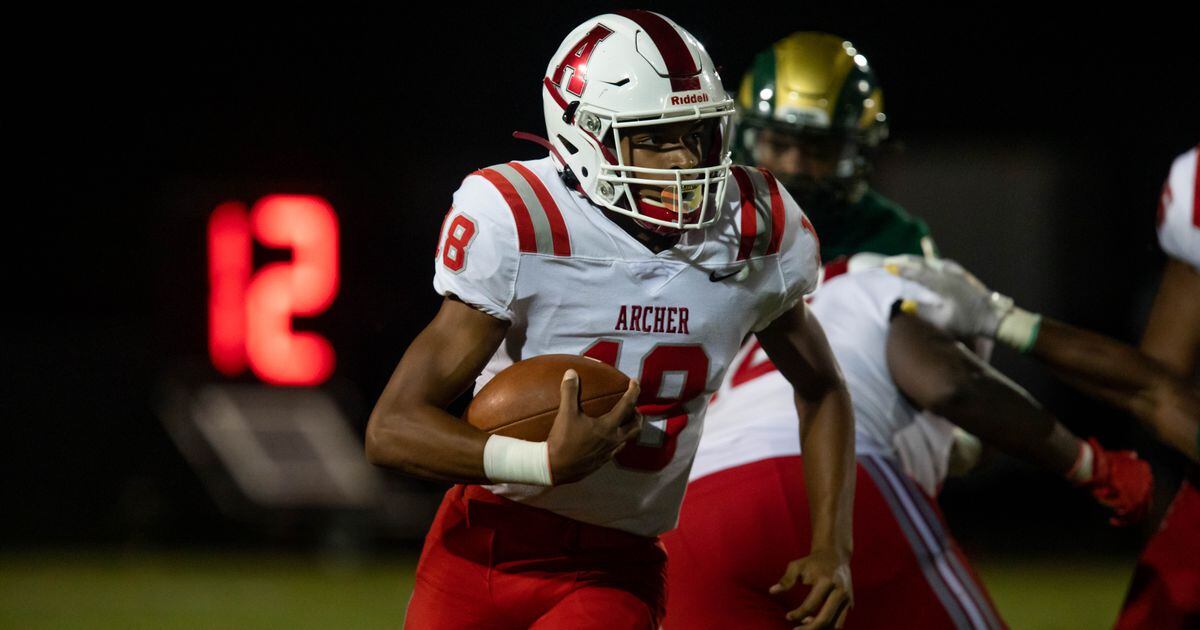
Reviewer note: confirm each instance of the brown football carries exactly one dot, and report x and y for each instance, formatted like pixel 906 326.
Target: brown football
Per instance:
pixel 522 400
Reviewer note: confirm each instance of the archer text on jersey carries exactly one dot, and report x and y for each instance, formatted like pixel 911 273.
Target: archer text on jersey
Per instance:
pixel 653 319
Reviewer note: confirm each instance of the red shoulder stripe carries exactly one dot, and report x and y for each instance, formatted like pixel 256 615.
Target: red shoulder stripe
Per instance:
pixel 526 240
pixel 835 268
pixel 748 213
pixel 558 227
pixel 808 227
pixel 778 216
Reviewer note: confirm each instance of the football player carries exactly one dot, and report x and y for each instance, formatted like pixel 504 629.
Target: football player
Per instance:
pixel 638 243
pixel 909 571
pixel 810 110
pixel 1156 385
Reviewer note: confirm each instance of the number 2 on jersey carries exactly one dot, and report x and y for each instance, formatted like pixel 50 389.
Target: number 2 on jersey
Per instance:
pixel 684 370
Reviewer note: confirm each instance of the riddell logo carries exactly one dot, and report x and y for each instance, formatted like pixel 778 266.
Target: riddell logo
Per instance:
pixel 689 99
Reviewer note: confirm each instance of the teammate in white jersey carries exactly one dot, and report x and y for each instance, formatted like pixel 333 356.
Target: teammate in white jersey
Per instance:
pixel 810 106
pixel 637 243
pixel 1156 385
pixel 909 572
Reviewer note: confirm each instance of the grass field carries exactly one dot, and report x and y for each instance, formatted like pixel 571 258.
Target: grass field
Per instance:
pixel 257 590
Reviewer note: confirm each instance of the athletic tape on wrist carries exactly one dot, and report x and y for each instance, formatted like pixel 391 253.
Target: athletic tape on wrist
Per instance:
pixel 1019 329
pixel 509 460
pixel 1082 471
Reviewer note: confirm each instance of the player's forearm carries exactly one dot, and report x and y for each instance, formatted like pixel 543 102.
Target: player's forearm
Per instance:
pixel 1176 421
pixel 1172 334
pixel 827 440
pixel 1095 359
pixel 989 405
pixel 1124 377
pixel 1171 413
pixel 409 429
pixel 425 441
pixel 940 374
pixel 797 346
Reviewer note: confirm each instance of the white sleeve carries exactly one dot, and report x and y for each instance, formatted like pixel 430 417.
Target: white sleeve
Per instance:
pixel 1179 211
pixel 477 255
pixel 799 260
pixel 924 448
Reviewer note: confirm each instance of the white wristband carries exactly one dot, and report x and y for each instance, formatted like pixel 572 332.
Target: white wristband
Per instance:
pixel 1082 470
pixel 1019 329
pixel 509 460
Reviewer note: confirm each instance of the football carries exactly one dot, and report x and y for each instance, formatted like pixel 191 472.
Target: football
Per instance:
pixel 522 400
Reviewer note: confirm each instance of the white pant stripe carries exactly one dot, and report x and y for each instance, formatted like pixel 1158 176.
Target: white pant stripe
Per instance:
pixel 934 538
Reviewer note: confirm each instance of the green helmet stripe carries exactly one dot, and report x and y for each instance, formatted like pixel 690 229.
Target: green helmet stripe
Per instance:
pixel 764 77
pixel 849 108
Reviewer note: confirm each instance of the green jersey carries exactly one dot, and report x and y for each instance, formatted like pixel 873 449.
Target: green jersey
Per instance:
pixel 872 224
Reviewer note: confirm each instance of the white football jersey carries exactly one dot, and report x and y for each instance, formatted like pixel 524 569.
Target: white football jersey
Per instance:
pixel 521 246
pixel 1179 210
pixel 753 416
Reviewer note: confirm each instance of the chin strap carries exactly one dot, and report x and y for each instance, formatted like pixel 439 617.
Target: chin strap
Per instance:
pixel 542 142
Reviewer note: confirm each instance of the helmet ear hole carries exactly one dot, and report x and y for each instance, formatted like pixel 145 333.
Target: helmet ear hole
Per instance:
pixel 584 170
pixel 572 149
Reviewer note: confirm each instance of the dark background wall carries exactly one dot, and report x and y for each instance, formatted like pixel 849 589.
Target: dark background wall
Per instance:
pixel 1034 146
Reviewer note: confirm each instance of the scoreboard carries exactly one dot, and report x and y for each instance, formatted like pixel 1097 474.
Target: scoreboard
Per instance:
pixel 250 311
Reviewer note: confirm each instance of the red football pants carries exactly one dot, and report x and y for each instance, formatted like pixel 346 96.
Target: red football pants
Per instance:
pixel 740 527
pixel 1165 592
pixel 492 563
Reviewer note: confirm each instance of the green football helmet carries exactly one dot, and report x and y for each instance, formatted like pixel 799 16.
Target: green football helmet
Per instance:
pixel 814 93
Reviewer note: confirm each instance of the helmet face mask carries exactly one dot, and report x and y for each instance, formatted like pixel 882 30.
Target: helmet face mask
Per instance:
pixel 819 168
pixel 619 76
pixel 649 183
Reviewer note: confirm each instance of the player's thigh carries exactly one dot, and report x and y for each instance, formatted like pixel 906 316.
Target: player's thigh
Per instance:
pixel 728 606
pixel 706 592
pixel 908 570
pixel 737 531
pixel 1165 590
pixel 451 585
pixel 599 608
pixel 432 607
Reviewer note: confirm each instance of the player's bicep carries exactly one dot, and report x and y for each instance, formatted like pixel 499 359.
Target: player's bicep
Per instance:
pixel 798 262
pixel 928 365
pixel 446 357
pixel 796 344
pixel 1173 331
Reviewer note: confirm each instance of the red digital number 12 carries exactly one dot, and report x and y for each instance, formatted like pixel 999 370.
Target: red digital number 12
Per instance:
pixel 250 317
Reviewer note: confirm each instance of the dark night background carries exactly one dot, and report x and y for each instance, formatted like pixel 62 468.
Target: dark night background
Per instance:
pixel 1035 148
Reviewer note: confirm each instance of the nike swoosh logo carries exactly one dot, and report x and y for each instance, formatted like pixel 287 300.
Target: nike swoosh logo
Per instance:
pixel 714 277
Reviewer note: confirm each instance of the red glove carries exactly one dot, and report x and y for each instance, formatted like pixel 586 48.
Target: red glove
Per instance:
pixel 1120 482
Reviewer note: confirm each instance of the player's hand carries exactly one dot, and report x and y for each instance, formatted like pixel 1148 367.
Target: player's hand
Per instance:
pixel 968 307
pixel 831 596
pixel 1122 483
pixel 579 444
